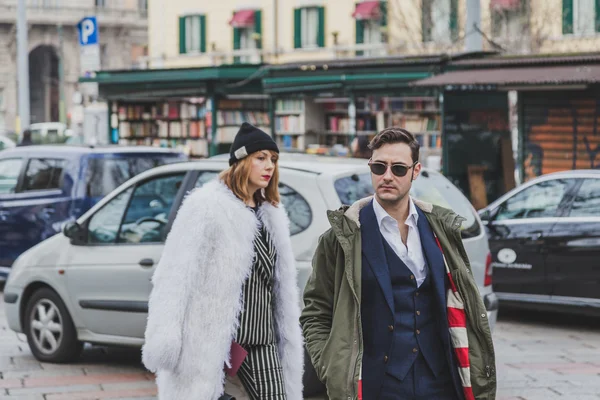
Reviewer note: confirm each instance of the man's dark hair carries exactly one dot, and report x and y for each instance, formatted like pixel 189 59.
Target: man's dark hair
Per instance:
pixel 396 135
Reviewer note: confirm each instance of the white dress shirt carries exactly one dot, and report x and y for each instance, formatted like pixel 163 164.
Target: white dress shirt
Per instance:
pixel 411 253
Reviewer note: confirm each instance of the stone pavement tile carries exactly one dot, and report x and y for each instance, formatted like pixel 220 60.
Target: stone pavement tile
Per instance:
pixel 86 379
pixel 22 397
pixel 40 373
pixel 526 393
pixel 108 369
pixel 577 390
pixel 128 385
pixel 101 394
pixel 11 383
pixel 140 398
pixel 55 389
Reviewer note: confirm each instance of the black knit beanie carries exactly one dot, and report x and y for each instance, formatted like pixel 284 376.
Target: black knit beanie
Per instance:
pixel 248 140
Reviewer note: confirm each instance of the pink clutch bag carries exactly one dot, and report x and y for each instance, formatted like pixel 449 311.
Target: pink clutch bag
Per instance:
pixel 238 355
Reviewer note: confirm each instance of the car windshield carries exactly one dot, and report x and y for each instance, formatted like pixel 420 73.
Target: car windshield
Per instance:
pixel 106 172
pixel 430 187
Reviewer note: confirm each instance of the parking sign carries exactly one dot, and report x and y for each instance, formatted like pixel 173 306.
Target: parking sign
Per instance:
pixel 88 31
pixel 89 53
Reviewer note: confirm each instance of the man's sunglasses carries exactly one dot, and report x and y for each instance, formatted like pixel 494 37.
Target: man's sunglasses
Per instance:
pixel 379 168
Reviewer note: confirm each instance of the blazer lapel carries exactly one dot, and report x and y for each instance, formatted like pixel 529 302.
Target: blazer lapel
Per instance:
pixel 435 259
pixel 375 253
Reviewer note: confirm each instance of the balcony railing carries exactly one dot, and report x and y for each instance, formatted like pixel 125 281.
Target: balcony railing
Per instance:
pixel 217 57
pixel 54 13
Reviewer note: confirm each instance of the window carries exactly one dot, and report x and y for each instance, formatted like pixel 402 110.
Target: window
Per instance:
pixel 309 27
pixel 434 188
pixel 148 211
pixel 43 174
pixel 297 209
pixel 100 3
pixel 103 227
pixel 580 17
pixel 509 21
pixel 584 17
pixel 439 20
pixel 104 174
pixel 143 5
pixel 247 35
pixel 192 34
pixel 205 177
pixel 587 200
pixel 537 201
pixel 353 188
pixel 10 170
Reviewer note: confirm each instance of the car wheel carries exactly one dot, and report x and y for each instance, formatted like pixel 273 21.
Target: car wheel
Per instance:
pixel 49 328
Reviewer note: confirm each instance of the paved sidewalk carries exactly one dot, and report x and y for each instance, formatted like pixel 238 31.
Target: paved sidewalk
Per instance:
pixel 540 357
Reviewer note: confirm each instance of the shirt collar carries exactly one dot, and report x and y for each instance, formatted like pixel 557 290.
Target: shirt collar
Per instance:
pixel 382 215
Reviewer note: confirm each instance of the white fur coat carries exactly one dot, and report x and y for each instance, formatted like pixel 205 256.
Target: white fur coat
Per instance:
pixel 196 297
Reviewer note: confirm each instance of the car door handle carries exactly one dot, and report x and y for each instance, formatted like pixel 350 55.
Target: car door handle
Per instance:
pixel 146 262
pixel 534 237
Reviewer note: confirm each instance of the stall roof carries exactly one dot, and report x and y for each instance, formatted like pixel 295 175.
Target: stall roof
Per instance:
pixel 558 75
pixel 356 74
pixel 502 71
pixel 149 83
pixel 372 62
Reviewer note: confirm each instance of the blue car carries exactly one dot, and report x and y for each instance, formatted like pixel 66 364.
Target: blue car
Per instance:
pixel 42 187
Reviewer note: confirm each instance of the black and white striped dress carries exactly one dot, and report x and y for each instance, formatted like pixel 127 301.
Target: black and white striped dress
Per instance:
pixel 261 372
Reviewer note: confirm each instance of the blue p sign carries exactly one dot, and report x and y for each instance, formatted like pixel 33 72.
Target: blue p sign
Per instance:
pixel 88 31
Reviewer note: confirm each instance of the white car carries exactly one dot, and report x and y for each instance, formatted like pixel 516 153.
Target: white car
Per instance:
pixel 91 283
pixel 6 143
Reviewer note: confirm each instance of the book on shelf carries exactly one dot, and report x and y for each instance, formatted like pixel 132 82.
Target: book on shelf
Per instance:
pixel 290 124
pixel 289 105
pixel 238 117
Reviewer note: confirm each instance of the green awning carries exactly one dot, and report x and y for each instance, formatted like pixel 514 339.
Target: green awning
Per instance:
pixel 311 82
pixel 201 81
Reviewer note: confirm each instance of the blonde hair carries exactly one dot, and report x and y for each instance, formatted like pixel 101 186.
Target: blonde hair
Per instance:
pixel 237 178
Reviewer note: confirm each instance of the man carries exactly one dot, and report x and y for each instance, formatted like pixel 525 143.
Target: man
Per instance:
pixel 391 309
pixel 27 140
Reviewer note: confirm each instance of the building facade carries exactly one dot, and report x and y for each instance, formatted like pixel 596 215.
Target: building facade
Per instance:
pixel 189 33
pixel 52 30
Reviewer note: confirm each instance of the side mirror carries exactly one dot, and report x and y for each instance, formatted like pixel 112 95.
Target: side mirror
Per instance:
pixel 75 232
pixel 488 215
pixel 485 215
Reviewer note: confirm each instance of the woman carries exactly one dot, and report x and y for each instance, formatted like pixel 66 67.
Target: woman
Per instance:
pixel 227 274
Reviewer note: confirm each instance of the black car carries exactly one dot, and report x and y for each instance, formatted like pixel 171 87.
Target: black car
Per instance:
pixel 545 242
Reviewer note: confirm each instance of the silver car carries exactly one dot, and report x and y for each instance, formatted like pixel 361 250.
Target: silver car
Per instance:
pixel 91 283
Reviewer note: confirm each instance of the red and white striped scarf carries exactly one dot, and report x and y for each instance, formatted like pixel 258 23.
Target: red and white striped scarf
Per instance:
pixel 457 323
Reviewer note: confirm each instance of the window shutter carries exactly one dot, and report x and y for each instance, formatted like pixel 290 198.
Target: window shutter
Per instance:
pixel 321 32
pixel 203 34
pixel 297 28
pixel 426 20
pixel 360 34
pixel 454 20
pixel 258 27
pixel 597 15
pixel 567 16
pixel 383 8
pixel 236 43
pixel 182 35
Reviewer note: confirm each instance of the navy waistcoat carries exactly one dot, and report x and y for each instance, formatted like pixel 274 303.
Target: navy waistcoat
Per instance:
pixel 389 305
